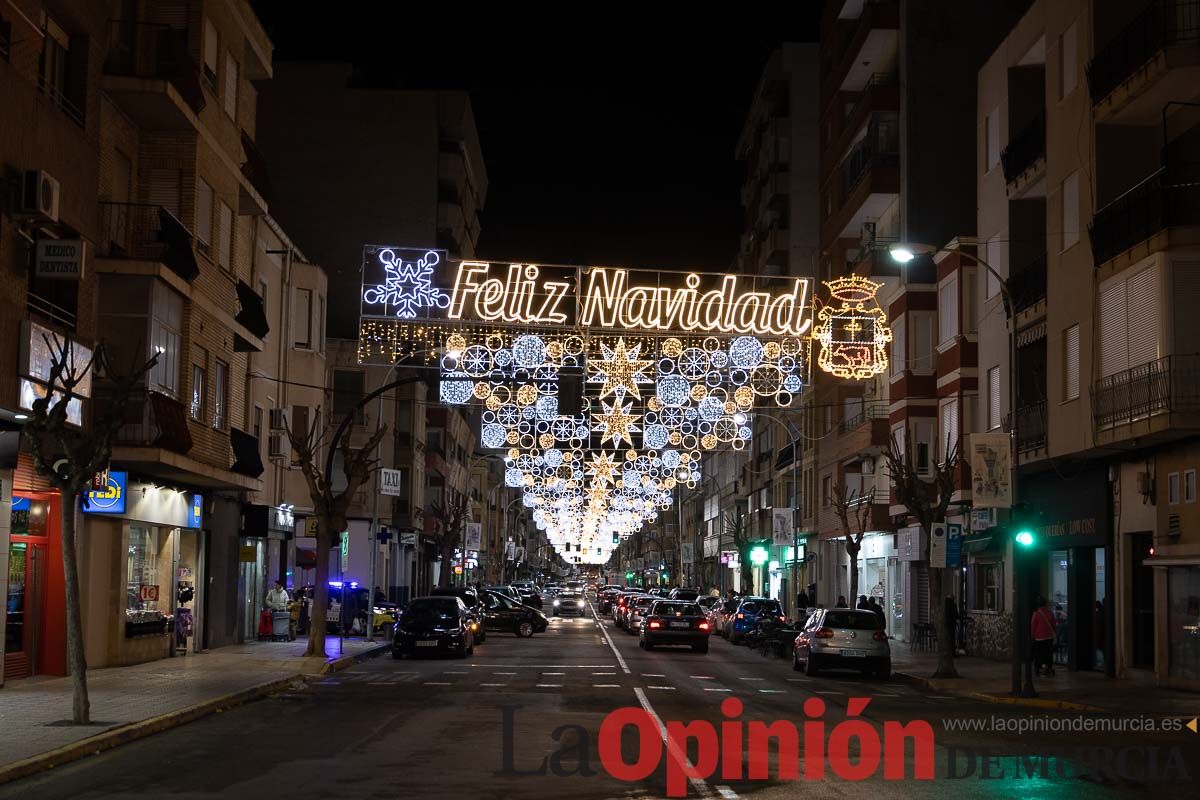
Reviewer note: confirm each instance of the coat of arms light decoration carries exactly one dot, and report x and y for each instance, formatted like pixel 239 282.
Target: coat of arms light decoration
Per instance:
pixel 661 371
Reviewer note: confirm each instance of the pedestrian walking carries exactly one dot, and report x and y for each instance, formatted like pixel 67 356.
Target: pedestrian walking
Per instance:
pixel 873 604
pixel 802 601
pixel 841 603
pixel 714 592
pixel 862 603
pixel 277 598
pixel 1041 628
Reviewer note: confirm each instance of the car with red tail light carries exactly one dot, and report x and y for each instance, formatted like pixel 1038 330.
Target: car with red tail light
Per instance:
pixel 843 638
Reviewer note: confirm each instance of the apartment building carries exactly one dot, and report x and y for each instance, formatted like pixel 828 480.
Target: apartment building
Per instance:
pixel 1087 206
pixel 50 82
pixel 894 167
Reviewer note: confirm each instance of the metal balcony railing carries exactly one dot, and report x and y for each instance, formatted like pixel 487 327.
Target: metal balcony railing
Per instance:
pixel 144 231
pixel 36 304
pixel 868 412
pixel 147 50
pixel 1024 149
pixel 1164 199
pixel 153 419
pixel 1028 285
pixel 1167 385
pixel 1031 426
pixel 1163 23
pixel 879 148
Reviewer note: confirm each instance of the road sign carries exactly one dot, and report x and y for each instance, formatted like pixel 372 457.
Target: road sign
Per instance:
pixel 409 537
pixel 953 545
pixel 390 482
pixel 937 545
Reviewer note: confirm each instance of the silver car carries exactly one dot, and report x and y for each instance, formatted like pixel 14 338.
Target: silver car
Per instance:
pixel 569 603
pixel 639 609
pixel 843 638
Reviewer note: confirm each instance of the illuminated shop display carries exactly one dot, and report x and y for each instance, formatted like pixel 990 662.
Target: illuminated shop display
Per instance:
pixel 660 366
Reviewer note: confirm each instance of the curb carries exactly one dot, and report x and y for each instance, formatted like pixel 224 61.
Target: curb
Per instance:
pixel 130 732
pixel 939 685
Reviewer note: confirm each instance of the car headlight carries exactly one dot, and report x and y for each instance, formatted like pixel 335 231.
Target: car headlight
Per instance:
pixel 556 602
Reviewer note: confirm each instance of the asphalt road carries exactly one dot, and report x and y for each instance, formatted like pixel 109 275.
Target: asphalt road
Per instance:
pixel 480 727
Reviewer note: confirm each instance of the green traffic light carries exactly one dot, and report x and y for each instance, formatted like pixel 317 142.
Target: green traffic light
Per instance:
pixel 1025 538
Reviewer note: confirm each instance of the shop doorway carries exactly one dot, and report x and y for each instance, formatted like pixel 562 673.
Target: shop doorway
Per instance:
pixel 188 586
pixel 24 620
pixel 1141 605
pixel 1058 594
pixel 251 587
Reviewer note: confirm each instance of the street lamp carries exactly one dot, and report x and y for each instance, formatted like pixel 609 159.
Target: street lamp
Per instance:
pixel 903 253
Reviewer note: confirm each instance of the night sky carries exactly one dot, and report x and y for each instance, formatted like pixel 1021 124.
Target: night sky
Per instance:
pixel 602 146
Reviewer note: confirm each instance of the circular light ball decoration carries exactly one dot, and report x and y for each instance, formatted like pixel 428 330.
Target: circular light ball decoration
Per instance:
pixel 513 477
pixel 546 440
pixel 547 407
pixel 744 396
pixel 670 458
pixel 711 408
pixel 792 383
pixel 771 349
pixel 493 435
pixel 672 390
pixel 456 341
pixel 482 390
pixel 719 359
pixel 492 402
pixel 672 347
pixel 746 352
pixel 456 388
pixel 526 395
pixel 693 363
pixel 655 436
pixel 709 442
pixel 553 457
pixel 529 350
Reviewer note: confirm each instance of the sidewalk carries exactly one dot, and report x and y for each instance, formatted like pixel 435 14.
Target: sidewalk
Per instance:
pixel 130 702
pixel 989 680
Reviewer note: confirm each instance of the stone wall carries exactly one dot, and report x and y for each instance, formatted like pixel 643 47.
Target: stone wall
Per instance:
pixel 992 636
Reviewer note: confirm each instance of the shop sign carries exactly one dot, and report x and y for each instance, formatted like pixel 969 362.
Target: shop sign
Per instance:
pixel 39 345
pixel 61 259
pixel 909 543
pixel 109 499
pixel 729 557
pixel 196 512
pixel 409 538
pixel 248 554
pixel 391 482
pixel 148 593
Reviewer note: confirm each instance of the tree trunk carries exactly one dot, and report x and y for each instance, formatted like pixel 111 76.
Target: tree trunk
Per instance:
pixel 320 605
pixel 81 708
pixel 852 600
pixel 945 637
pixel 446 573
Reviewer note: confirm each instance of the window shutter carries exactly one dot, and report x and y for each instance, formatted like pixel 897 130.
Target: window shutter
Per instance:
pixel 948 311
pixel 948 435
pixel 994 397
pixel 1067 62
pixel 204 213
pixel 1187 322
pixel 922 355
pixel 1070 366
pixel 1142 317
pixel 899 353
pixel 970 302
pixel 1113 353
pixel 210 46
pixel 163 189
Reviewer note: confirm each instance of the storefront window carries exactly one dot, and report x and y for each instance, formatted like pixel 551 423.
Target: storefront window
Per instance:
pixel 29 516
pixel 1183 620
pixel 986 585
pixel 143 607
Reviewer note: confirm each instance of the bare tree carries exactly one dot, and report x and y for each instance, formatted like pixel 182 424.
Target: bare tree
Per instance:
pixel 329 506
pixel 69 457
pixel 927 497
pixel 450 518
pixel 846 505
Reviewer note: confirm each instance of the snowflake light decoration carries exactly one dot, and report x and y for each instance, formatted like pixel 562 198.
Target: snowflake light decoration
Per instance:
pixel 407 287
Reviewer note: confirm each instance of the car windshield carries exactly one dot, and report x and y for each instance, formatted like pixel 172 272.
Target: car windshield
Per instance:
pixel 569 595
pixel 644 602
pixel 865 621
pixel 686 595
pixel 761 607
pixel 677 609
pixel 427 609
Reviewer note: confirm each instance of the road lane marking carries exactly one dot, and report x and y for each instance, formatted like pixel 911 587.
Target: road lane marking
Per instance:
pixel 653 675
pixel 549 685
pixel 669 688
pixel 753 679
pixel 771 691
pixel 680 755
pixel 820 691
pixel 605 674
pixel 504 673
pixel 702 677
pixel 493 684
pixel 606 686
pixel 452 672
pixel 552 666
pixel 718 690
pixel 437 683
pixel 617 653
pixel 554 673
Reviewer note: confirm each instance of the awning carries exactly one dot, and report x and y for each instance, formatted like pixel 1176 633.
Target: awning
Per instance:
pixel 173 433
pixel 252 316
pixel 1172 561
pixel 179 256
pixel 989 541
pixel 245 451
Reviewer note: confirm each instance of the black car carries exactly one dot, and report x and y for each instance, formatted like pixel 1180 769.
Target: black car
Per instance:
pixel 607 598
pixel 471 600
pixel 529 596
pixel 687 595
pixel 434 625
pixel 502 613
pixel 672 622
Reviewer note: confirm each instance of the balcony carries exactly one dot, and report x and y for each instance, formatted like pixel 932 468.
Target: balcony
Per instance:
pixel 1031 427
pixel 871 48
pixel 866 183
pixel 1155 58
pixel 1162 201
pixel 253 199
pixel 1026 153
pixel 146 232
pixel 1152 401
pixel 151 76
pixel 868 412
pixel 881 94
pixel 1028 285
pixel 153 419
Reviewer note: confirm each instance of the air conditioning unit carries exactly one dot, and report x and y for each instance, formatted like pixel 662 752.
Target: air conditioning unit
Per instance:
pixel 39 196
pixel 277 420
pixel 277 446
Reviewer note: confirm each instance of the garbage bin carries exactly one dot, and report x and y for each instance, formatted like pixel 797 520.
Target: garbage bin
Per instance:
pixel 281 622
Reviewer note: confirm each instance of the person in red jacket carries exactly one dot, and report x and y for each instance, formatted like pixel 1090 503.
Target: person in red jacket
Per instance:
pixel 1041 629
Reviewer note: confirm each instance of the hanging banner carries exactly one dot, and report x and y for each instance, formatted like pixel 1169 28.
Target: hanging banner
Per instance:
pixel 991 470
pixel 782 534
pixel 474 535
pixel 686 552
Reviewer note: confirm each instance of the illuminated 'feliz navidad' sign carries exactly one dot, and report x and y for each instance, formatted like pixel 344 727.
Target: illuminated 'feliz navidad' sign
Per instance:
pixel 408 284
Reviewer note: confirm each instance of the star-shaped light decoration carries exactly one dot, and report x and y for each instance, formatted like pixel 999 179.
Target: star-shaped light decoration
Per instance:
pixel 621 370
pixel 603 469
pixel 617 423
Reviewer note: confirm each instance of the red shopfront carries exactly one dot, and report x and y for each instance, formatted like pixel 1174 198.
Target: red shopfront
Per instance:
pixel 35 623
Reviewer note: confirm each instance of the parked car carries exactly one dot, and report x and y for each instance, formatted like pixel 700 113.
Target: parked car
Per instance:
pixel 671 622
pixel 745 619
pixel 570 603
pixel 621 611
pixel 434 625
pixel 638 610
pixel 507 591
pixel 529 596
pixel 471 600
pixel 502 613
pixel 687 595
pixel 843 638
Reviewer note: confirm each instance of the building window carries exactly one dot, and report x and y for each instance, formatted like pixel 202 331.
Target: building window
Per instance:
pixel 1130 319
pixel 970 301
pixel 204 215
pixel 991 140
pixel 321 323
pixel 1189 486
pixel 826 490
pixel 948 310
pixel 257 427
pixel 1183 589
pixel 166 323
pixel 923 437
pixel 997 259
pixel 196 410
pixel 225 237
pixel 1070 210
pixel 221 398
pixel 231 86
pixel 301 427
pixel 1067 62
pixel 922 342
pixel 993 390
pixel 1173 489
pixel 1070 368
pixel 899 354
pixel 948 433
pixel 211 48
pixel 986 584
pixel 304 308
pixel 54 68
